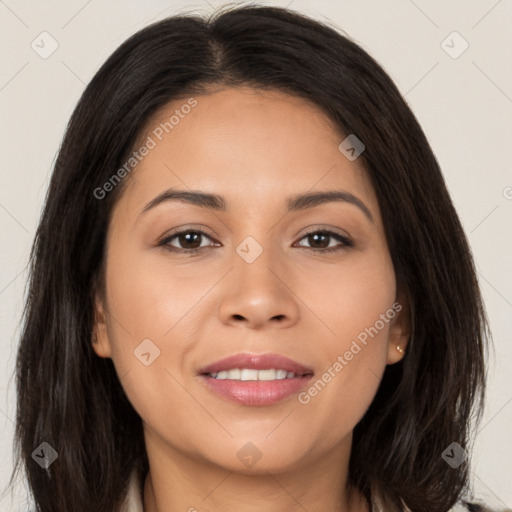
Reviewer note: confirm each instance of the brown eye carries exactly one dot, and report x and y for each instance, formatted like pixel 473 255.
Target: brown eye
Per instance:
pixel 320 240
pixel 188 241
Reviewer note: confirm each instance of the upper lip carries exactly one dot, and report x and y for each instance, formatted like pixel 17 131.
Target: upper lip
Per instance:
pixel 256 362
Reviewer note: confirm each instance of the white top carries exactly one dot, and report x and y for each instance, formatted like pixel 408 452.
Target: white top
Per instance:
pixel 133 500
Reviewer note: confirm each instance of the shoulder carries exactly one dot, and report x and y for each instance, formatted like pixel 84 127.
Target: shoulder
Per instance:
pixel 465 505
pixel 476 506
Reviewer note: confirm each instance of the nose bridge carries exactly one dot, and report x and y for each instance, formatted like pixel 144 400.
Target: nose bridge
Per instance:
pixel 256 265
pixel 257 292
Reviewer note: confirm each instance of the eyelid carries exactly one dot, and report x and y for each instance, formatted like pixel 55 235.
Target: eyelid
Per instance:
pixel 326 229
pixel 181 230
pixel 200 228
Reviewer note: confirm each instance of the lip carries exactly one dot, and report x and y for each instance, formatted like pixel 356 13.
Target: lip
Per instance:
pixel 252 392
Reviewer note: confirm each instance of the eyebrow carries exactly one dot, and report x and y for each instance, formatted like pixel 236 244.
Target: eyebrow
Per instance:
pixel 295 203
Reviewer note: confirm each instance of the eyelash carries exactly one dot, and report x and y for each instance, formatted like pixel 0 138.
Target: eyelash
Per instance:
pixel 344 240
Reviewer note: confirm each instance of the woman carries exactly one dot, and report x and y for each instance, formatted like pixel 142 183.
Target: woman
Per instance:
pixel 249 287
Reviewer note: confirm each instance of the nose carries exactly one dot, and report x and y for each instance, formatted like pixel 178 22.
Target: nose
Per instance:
pixel 258 294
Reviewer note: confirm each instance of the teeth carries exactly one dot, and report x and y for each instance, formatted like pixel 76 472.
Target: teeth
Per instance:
pixel 281 374
pixel 250 374
pixel 267 374
pixel 246 374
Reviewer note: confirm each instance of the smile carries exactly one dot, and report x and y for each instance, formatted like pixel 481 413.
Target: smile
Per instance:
pixel 255 379
pixel 251 374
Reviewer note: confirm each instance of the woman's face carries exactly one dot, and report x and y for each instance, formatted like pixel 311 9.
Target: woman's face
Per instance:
pixel 262 283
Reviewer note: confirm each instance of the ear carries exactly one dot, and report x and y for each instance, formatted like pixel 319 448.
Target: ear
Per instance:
pixel 100 335
pixel 400 329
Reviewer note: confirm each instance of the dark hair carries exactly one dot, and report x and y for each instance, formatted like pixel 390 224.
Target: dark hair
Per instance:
pixel 73 400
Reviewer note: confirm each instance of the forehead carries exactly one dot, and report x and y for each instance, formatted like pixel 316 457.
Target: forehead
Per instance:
pixel 248 144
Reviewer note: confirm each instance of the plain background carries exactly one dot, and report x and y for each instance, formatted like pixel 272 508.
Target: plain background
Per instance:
pixel 464 105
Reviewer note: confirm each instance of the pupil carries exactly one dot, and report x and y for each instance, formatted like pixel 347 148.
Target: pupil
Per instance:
pixel 186 238
pixel 315 237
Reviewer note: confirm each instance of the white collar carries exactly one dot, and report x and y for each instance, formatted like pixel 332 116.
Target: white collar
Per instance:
pixel 133 499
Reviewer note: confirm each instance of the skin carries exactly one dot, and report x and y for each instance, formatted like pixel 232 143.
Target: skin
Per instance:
pixel 255 148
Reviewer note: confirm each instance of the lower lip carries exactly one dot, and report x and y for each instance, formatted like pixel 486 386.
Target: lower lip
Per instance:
pixel 252 392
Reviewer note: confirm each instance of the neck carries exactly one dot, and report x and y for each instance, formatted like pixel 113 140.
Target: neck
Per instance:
pixel 177 482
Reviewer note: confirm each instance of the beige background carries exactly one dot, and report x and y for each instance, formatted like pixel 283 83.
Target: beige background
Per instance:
pixel 464 105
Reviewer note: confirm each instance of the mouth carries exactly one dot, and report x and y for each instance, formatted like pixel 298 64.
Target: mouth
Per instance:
pixel 256 379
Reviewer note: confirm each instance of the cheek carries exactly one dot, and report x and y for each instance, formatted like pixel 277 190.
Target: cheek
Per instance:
pixel 151 306
pixel 351 296
pixel 149 295
pixel 356 303
pixel 340 394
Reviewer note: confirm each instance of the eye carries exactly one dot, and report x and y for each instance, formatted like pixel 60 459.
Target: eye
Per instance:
pixel 320 241
pixel 189 241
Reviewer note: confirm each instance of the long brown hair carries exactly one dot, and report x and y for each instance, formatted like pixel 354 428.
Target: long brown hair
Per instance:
pixel 73 400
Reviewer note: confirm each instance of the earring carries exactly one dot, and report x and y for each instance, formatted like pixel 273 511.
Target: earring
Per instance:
pixel 400 349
